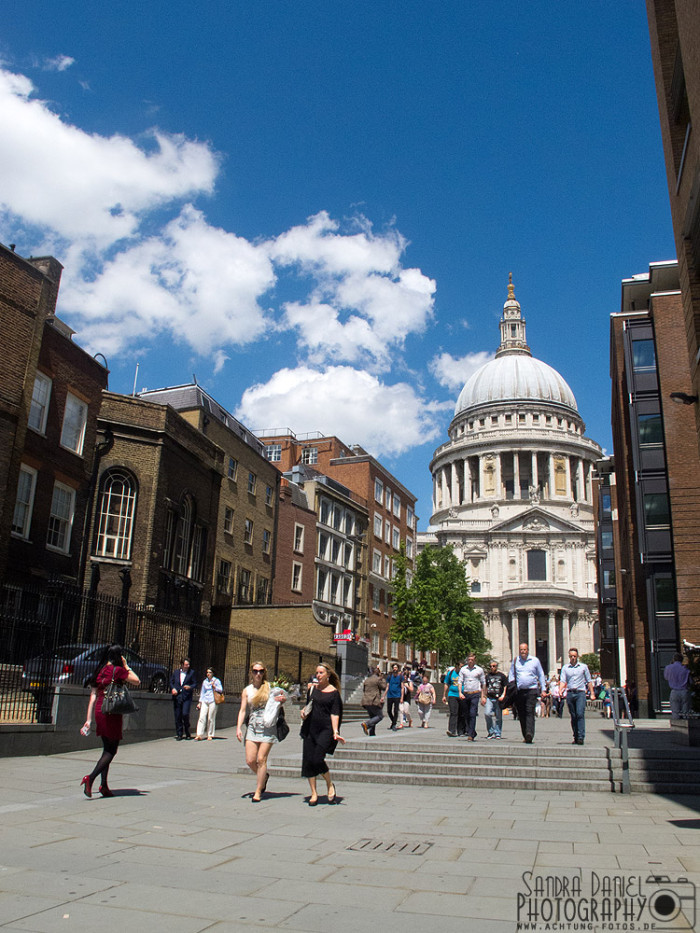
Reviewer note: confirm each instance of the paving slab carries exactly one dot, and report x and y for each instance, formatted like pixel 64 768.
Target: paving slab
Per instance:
pixel 181 849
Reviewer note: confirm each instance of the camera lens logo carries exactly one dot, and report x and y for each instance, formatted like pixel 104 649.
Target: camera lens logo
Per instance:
pixel 671 903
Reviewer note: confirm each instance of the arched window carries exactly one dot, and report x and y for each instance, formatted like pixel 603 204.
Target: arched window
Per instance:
pixel 117 507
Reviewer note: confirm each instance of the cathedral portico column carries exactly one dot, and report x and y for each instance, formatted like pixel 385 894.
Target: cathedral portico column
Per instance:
pixel 582 495
pixel 552 642
pixel 566 637
pixel 499 475
pixel 550 478
pixel 455 497
pixel 531 631
pixel 516 474
pixel 467 488
pixel 567 465
pixel 535 477
pixel 446 492
pixel 514 633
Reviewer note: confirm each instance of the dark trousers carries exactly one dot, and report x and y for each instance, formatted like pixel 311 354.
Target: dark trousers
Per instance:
pixel 525 702
pixel 392 708
pixel 458 725
pixel 470 710
pixel 181 706
pixel 375 717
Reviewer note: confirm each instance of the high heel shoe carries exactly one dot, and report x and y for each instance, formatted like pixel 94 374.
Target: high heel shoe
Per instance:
pixel 314 802
pixel 105 791
pixel 334 797
pixel 86 785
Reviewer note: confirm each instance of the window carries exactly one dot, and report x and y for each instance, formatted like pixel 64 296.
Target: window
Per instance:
pixel 244 586
pixel 378 490
pixel 223 577
pixel 232 471
pixel 266 541
pixel 252 483
pixel 656 510
pixel 268 495
pixel 39 408
pixel 409 547
pixel 377 562
pixel 395 539
pixel 349 523
pixel 195 571
pixel 309 455
pixel 273 452
pixel 387 532
pixel 378 525
pixel 321 584
pixel 74 419
pixel 116 516
pixel 388 499
pixel 299 539
pixel 61 518
pixel 248 533
pixel 228 520
pixel 375 643
pixel 263 588
pixel 24 503
pixel 650 429
pixel 643 356
pixel 376 592
pixel 397 506
pixel 335 551
pixel 536 565
pixel 410 517
pixel 183 534
pixel 324 512
pixel 296 577
pixel 606 503
pixel 606 540
pixel 322 545
pixel 394 649
pixel 347 562
pixel 665 594
pixel 387 567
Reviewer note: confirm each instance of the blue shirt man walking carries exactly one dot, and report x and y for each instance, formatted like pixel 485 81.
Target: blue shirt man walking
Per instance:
pixel 576 681
pixel 526 671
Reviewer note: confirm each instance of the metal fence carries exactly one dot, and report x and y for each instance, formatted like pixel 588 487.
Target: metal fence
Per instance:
pixel 53 634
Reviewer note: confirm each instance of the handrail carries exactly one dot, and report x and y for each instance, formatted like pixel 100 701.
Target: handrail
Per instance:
pixel 619 700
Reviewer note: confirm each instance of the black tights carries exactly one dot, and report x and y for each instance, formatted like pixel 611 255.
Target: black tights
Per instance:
pixel 102 767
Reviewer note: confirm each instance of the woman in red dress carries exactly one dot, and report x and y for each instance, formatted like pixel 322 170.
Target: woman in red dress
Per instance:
pixel 109 726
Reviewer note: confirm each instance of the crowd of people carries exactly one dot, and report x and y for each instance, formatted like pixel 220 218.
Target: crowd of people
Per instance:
pixel 466 688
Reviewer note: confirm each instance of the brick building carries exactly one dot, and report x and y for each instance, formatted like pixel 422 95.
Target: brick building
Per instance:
pixel 295 562
pixel 155 516
pixel 674 28
pixel 245 530
pixel 653 585
pixel 391 522
pixel 50 392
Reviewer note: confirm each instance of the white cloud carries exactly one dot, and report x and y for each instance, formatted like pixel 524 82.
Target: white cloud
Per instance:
pixel 364 303
pixel 194 281
pixel 88 188
pixel 452 371
pixel 387 420
pixel 58 63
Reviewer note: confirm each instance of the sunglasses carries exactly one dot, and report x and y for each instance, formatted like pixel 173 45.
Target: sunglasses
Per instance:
pixel 258 670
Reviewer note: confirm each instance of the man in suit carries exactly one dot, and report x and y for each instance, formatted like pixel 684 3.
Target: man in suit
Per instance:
pixel 182 685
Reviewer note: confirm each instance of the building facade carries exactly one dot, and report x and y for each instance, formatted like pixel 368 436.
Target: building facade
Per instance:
pixel 655 591
pixel 512 495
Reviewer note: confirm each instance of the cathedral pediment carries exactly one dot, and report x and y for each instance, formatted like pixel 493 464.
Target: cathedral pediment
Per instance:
pixel 535 520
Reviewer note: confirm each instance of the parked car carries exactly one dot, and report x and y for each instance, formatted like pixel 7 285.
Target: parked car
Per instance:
pixel 75 664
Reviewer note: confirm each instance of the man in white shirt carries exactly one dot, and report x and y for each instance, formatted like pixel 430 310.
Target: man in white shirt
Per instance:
pixel 472 688
pixel 576 681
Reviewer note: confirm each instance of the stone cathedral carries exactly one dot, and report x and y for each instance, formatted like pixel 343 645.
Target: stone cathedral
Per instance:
pixel 512 494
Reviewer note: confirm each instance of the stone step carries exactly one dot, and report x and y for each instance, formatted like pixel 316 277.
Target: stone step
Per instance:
pixel 418 760
pixel 465 779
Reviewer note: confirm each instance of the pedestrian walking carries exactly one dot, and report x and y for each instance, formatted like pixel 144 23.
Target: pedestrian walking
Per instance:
pixel 456 725
pixel 496 685
pixel 182 685
pixel 405 706
pixel 373 694
pixel 394 689
pixel 555 694
pixel 576 683
pixel 112 668
pixel 425 700
pixel 207 706
pixel 472 691
pixel 259 737
pixel 527 674
pixel 320 731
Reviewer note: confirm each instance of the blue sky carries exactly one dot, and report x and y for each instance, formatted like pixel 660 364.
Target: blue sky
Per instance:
pixel 314 206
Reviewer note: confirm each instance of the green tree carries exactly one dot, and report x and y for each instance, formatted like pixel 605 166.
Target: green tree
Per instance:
pixel 435 611
pixel 591 660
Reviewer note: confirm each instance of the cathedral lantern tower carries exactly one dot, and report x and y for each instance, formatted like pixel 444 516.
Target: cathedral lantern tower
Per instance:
pixel 512 494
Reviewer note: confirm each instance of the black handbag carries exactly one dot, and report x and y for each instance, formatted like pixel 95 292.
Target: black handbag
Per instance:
pixel 117 699
pixel 282 726
pixel 511 691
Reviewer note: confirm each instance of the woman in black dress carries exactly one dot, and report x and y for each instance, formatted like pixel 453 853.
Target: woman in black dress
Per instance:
pixel 321 731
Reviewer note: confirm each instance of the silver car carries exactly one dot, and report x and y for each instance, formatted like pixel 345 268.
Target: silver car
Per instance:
pixel 75 664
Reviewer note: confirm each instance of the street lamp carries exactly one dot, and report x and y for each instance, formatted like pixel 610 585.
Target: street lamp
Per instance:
pixel 682 398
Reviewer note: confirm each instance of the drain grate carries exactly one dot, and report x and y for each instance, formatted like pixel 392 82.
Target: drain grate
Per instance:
pixel 392 848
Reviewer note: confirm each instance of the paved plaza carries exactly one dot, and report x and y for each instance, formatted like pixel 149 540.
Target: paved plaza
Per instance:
pixel 180 848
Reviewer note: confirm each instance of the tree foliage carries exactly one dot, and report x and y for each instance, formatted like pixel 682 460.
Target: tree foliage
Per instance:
pixel 591 660
pixel 435 611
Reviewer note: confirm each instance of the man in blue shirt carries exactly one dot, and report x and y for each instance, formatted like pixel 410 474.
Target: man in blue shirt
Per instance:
pixel 394 685
pixel 575 681
pixel 678 677
pixel 526 671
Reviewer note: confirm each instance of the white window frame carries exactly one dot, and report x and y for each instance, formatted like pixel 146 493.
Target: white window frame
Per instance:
pixel 252 482
pixel 115 515
pixel 228 520
pixel 298 538
pixel 378 491
pixel 248 531
pixel 266 538
pixel 377 562
pixel 26 505
pixel 232 471
pixel 387 567
pixel 397 506
pixel 39 407
pixel 297 575
pixel 395 538
pixel 410 517
pixel 223 576
pixel 268 495
pixel 409 547
pixel 387 532
pixel 378 525
pixel 273 452
pixel 74 421
pixel 309 455
pixel 60 523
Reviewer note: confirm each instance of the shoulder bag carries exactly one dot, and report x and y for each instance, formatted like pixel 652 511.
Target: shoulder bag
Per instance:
pixel 117 699
pixel 511 691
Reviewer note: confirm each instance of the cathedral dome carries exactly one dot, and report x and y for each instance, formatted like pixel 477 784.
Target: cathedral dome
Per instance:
pixel 514 375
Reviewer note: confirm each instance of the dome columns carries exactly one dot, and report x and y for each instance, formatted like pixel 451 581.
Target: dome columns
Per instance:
pixel 553 626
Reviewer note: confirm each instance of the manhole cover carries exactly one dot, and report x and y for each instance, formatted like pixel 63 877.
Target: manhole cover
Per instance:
pixel 400 847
